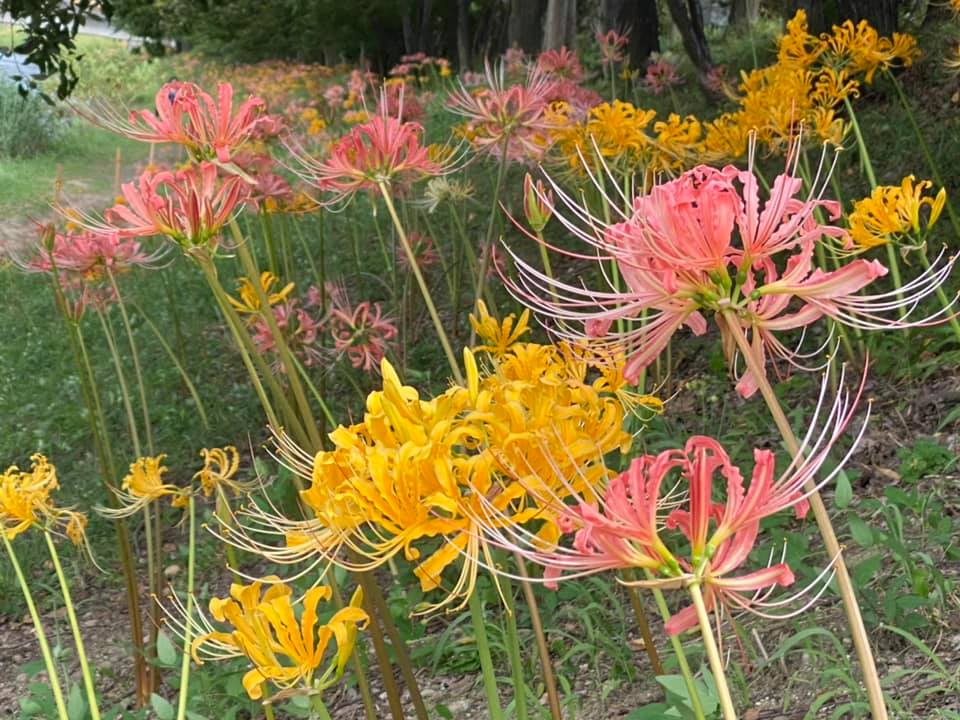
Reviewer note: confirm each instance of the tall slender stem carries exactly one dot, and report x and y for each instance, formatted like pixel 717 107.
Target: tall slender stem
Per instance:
pixel 861 640
pixel 319 708
pixel 513 647
pixel 685 670
pixel 369 707
pixel 424 290
pixel 713 654
pixel 380 648
pixel 250 267
pixel 48 662
pixel 486 662
pixel 75 629
pixel 121 382
pixel 188 626
pixel 486 253
pixel 644 626
pixel 546 665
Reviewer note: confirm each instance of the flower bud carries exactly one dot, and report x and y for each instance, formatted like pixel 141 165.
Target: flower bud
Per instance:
pixel 537 204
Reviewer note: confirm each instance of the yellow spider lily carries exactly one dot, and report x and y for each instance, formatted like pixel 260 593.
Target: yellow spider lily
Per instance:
pixel 892 211
pixel 219 470
pixel 285 652
pixel 249 301
pixel 141 486
pixel 498 336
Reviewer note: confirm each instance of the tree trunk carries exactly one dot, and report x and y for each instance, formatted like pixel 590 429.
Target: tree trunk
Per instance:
pixel 407 23
pixel 525 25
pixel 688 17
pixel 426 28
pixel 463 34
pixel 744 13
pixel 641 20
pixel 560 27
pixel 816 14
pixel 882 14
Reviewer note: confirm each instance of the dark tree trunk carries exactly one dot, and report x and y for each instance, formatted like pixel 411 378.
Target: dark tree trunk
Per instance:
pixel 560 25
pixel 463 34
pixel 426 28
pixel 407 23
pixel 744 12
pixel 882 14
pixel 816 13
pixel 525 25
pixel 641 19
pixel 688 17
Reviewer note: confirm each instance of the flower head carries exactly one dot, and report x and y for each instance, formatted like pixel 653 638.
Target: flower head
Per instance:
pixel 285 652
pixel 26 501
pixel 562 64
pixel 249 299
pixel 893 211
pixel 142 485
pixel 661 76
pixel 360 332
pixel 611 45
pixel 209 129
pixel 219 471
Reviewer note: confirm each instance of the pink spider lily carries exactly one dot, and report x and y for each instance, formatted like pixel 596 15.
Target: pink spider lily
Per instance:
pixel 661 76
pixel 91 255
pixel 611 45
pixel 382 150
pixel 424 251
pixel 300 330
pixel 561 64
pixel 189 206
pixel 503 118
pixel 628 524
pixel 188 116
pixel 359 332
pixel 679 256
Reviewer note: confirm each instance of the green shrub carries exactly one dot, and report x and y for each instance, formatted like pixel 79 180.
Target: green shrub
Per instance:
pixel 28 126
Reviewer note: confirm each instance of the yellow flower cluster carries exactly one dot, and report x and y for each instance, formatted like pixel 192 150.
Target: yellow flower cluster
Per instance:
pixel 284 651
pixel 249 298
pixel 623 136
pixel 806 86
pixel 25 501
pixel 893 211
pixel 416 475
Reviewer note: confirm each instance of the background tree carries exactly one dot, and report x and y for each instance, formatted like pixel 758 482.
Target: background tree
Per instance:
pixel 641 18
pixel 688 17
pixel 50 27
pixel 525 24
pixel 560 24
pixel 823 14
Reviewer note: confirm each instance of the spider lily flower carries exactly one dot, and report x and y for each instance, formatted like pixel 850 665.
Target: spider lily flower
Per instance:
pixel 189 206
pixel 361 333
pixel 384 149
pixel 140 487
pixel 498 336
pixel 661 75
pixel 537 204
pixel 263 628
pixel 26 501
pixel 92 255
pixel 209 129
pixel 892 212
pixel 220 466
pixel 562 64
pixel 611 45
pixel 624 524
pixel 501 118
pixel 679 257
pixel 249 299
pixel 416 469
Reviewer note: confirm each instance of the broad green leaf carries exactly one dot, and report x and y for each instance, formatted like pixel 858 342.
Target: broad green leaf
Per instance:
pixel 166 652
pixel 76 705
pixel 860 531
pixel 162 707
pixel 843 493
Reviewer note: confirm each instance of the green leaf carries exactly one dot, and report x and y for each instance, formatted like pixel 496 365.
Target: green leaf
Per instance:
pixel 860 531
pixel 76 705
pixel 865 571
pixel 162 707
pixel 653 711
pixel 843 493
pixel 444 712
pixel 166 652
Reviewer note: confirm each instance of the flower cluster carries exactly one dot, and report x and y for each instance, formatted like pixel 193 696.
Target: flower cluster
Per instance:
pixel 285 652
pixel 524 428
pixel 25 502
pixel 892 214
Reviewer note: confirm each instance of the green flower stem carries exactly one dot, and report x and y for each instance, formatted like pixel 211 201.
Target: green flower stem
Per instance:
pixel 191 388
pixel 924 148
pixel 368 583
pixel 713 653
pixel 643 625
pixel 266 312
pixel 319 708
pixel 513 647
pixel 225 517
pixel 75 629
pixel 359 649
pixel 122 383
pixel 424 290
pixel 41 635
pixel 861 640
pixel 188 626
pixel 486 252
pixel 98 427
pixel 872 179
pixel 685 671
pixel 135 356
pixel 486 662
pixel 546 665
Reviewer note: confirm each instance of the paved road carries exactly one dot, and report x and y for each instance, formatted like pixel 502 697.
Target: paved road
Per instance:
pixel 14 65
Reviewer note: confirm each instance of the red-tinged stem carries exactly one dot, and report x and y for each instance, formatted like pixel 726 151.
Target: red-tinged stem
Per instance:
pixel 861 641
